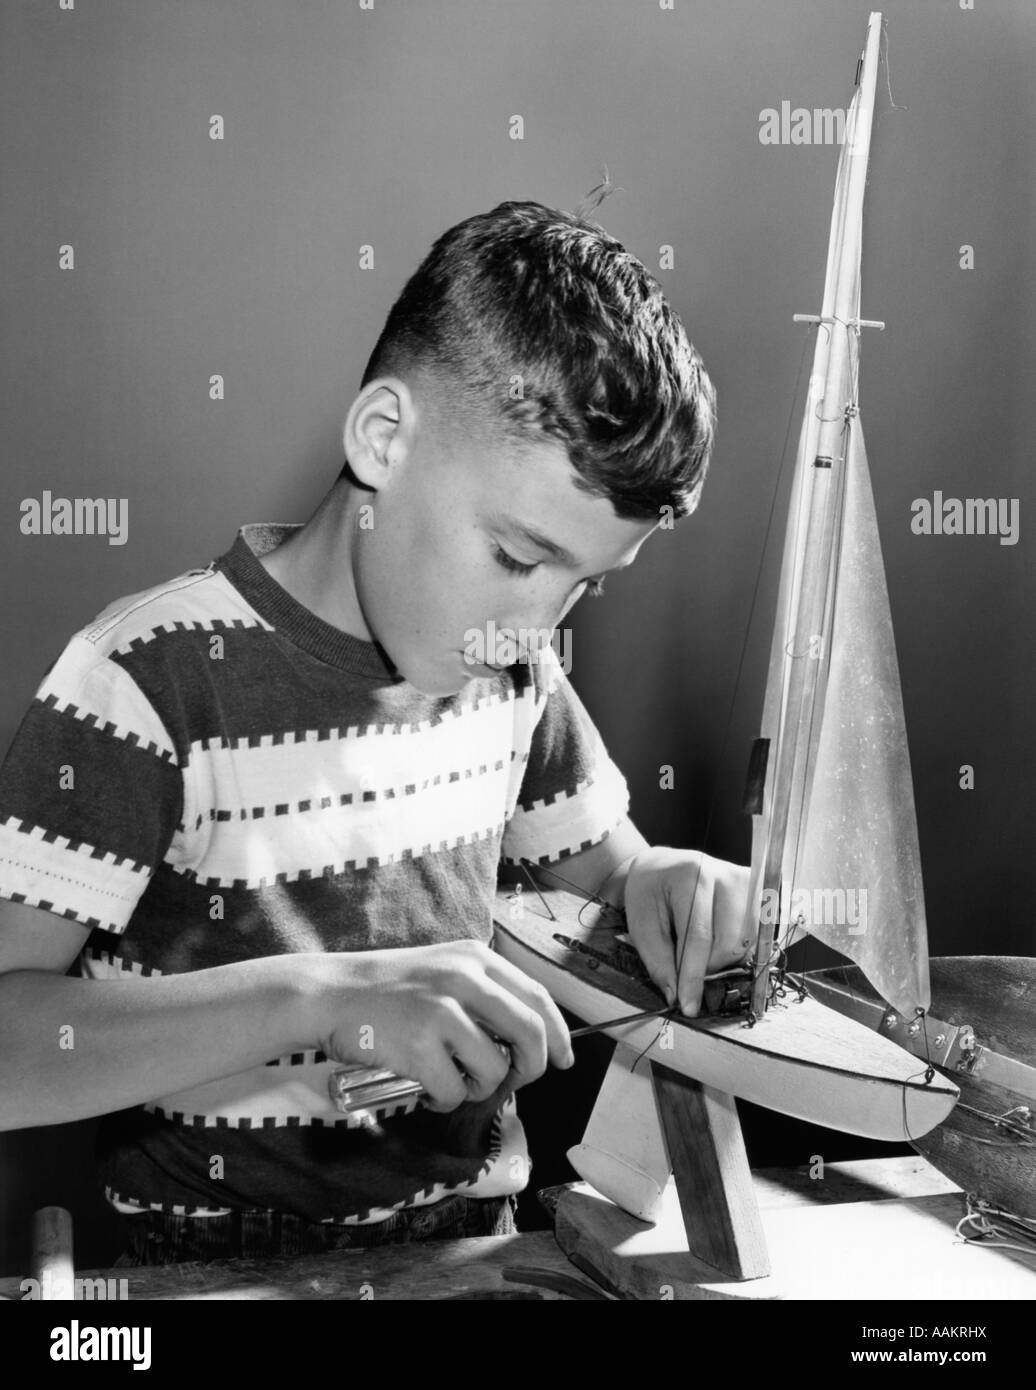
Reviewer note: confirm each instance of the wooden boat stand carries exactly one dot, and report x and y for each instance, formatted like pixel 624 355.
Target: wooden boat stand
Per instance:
pixel 668 1151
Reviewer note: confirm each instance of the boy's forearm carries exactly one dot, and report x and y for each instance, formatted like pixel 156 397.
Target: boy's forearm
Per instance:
pixel 601 870
pixel 73 1048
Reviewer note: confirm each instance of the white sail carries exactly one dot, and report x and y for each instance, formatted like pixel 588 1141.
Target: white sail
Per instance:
pixel 835 848
pixel 857 880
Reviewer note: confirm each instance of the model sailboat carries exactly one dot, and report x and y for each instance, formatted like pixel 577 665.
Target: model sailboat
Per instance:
pixel 835 849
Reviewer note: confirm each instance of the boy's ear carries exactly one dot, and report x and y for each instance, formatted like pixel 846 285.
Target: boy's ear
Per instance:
pixel 379 430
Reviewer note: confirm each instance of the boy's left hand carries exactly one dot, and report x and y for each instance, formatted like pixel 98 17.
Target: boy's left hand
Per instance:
pixel 685 913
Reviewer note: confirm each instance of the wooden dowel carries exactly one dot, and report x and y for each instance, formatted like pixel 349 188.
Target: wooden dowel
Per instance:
pixel 52 1265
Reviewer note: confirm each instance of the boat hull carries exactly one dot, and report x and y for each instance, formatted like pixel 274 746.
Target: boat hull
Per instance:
pixel 801 1059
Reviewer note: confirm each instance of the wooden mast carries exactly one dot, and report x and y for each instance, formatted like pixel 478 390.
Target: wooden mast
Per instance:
pixel 824 439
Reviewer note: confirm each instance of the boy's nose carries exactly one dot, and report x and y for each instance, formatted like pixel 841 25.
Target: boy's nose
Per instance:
pixel 529 631
pixel 545 613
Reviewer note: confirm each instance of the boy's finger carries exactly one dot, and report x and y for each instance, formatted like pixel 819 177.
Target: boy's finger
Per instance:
pixel 519 1027
pixel 444 1085
pixel 516 983
pixel 650 930
pixel 482 1061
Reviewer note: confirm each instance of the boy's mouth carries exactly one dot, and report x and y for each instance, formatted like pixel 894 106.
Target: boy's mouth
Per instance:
pixel 479 668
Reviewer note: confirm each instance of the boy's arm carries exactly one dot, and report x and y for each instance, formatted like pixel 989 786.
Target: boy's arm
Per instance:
pixel 73 1048
pixel 601 870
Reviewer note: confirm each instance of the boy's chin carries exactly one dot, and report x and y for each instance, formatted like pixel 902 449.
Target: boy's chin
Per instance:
pixel 439 690
pixel 440 684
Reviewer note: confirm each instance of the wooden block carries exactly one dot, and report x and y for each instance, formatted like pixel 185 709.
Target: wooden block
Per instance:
pixel 712 1177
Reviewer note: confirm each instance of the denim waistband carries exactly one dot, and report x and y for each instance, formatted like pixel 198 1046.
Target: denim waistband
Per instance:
pixel 155 1238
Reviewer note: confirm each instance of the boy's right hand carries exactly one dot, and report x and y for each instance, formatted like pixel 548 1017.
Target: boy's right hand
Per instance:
pixel 427 1013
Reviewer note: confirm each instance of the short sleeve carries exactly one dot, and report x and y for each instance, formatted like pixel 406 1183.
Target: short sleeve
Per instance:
pixel 90 793
pixel 572 795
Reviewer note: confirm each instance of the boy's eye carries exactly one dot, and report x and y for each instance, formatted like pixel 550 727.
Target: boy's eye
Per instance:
pixel 594 587
pixel 510 563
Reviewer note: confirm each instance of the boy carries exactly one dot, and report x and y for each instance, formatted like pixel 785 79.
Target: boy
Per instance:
pixel 265 802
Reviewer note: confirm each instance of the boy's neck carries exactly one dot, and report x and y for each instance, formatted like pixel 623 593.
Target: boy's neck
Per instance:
pixel 314 564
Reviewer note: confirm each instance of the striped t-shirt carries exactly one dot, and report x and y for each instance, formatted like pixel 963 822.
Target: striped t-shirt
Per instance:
pixel 211 773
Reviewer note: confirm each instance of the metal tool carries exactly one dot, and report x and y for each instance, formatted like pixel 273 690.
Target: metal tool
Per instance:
pixel 353 1089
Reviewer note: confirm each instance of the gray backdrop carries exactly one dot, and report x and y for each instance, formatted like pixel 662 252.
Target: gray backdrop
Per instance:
pixel 345 126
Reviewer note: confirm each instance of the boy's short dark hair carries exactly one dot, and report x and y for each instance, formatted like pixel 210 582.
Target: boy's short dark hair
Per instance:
pixel 530 302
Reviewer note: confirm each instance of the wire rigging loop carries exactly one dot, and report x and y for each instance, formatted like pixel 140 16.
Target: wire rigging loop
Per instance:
pixel 888 72
pixel 852 328
pixel 667 1022
pixel 929 1075
pixel 983 1220
pixel 589 898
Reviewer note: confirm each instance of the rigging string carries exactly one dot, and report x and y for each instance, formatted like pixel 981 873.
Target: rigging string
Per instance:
pixel 588 898
pixel 667 1018
pixel 888 70
pixel 1021 1127
pixel 928 1075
